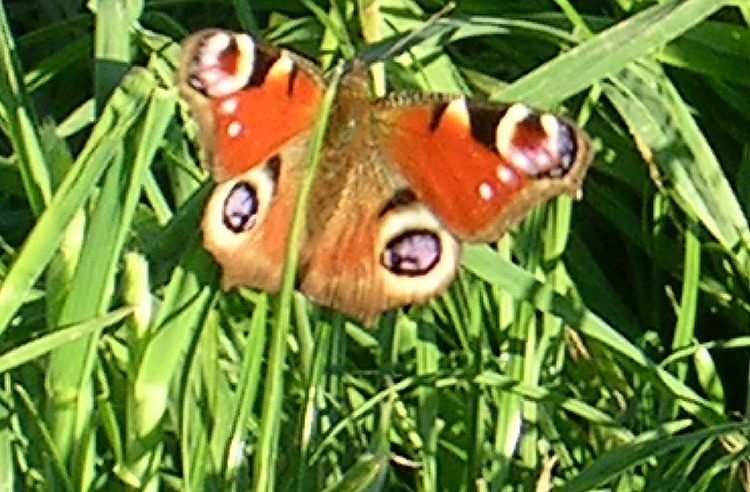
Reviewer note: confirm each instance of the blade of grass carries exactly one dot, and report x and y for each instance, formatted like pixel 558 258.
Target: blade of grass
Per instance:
pixel 121 113
pixel 476 403
pixel 136 293
pixel 190 299
pixel 613 463
pixel 483 262
pixel 171 351
pixel 70 367
pixel 112 48
pixel 608 52
pixel 265 458
pixel 314 405
pixel 248 388
pixel 716 49
pixel 61 477
pixel 22 122
pixel 59 61
pixel 686 317
pixel 40 346
pixel 8 476
pixel 428 408
pixel 669 137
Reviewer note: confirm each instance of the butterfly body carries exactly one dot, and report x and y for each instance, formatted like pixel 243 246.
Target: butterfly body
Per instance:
pixel 401 179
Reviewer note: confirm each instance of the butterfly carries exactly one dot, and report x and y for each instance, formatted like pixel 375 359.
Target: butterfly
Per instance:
pixel 402 180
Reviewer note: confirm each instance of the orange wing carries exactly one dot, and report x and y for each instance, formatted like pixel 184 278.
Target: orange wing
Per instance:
pixel 255 106
pixel 479 167
pixel 249 98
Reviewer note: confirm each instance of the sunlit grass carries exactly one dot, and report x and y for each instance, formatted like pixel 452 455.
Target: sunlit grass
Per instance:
pixel 603 343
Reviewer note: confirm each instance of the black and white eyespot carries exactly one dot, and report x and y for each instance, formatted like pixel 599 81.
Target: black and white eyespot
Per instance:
pixel 241 208
pixel 412 253
pixel 222 63
pixel 539 145
pixel 239 205
pixel 418 257
pixel 567 148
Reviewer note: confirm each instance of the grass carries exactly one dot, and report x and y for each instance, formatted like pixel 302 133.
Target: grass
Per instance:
pixel 602 345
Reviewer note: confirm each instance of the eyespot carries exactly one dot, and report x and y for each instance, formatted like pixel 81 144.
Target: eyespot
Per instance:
pixel 538 145
pixel 222 63
pixel 567 150
pixel 240 211
pixel 412 253
pixel 417 256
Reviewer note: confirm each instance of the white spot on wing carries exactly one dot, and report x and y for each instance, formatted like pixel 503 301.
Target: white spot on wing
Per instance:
pixel 282 67
pixel 551 126
pixel 218 42
pixel 506 128
pixel 458 111
pixel 507 176
pixel 234 129
pixel 209 71
pixel 229 106
pixel 486 191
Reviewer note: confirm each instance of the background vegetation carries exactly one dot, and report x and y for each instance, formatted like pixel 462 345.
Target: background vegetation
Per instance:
pixel 603 344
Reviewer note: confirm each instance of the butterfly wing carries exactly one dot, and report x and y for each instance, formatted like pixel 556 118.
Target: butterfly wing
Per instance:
pixel 400 180
pixel 415 176
pixel 255 106
pixel 371 246
pixel 481 167
pixel 249 98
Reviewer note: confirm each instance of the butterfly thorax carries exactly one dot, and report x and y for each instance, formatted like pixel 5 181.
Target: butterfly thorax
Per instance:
pixel 350 152
pixel 351 122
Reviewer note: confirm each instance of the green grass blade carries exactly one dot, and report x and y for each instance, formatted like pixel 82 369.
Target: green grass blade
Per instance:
pixel 70 367
pixel 612 463
pixel 7 461
pixel 21 119
pixel 669 137
pixel 428 410
pixel 187 298
pixel 271 414
pixel 121 113
pixel 716 49
pixel 40 346
pixel 114 19
pixel 61 477
pixel 248 388
pixel 608 52
pixel 520 284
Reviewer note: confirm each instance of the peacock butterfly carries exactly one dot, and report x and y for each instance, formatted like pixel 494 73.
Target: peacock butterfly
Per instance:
pixel 402 179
